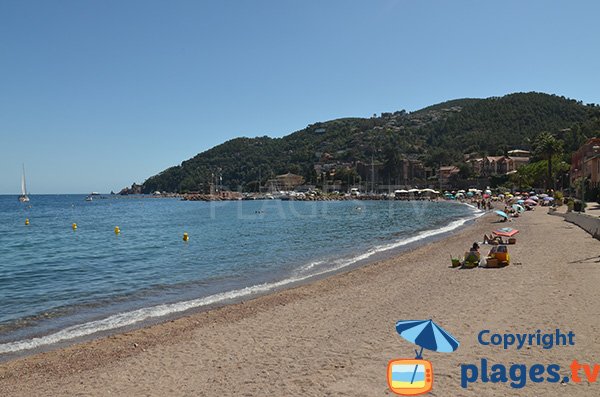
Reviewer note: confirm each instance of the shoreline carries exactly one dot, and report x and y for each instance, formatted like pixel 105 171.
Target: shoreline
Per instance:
pixel 202 309
pixel 225 298
pixel 335 335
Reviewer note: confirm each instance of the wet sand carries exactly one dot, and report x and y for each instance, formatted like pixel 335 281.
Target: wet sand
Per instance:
pixel 335 336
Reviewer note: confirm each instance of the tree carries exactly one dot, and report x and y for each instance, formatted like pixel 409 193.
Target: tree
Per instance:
pixel 547 146
pixel 393 163
pixel 523 179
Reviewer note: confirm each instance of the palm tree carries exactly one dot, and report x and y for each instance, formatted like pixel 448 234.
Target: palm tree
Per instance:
pixel 523 178
pixel 546 145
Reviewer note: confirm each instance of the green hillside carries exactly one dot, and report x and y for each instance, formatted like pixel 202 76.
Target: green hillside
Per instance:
pixel 439 134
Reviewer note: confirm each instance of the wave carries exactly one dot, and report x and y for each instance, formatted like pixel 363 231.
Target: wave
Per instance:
pixel 136 316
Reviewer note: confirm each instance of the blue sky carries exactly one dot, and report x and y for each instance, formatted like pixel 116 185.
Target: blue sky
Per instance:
pixel 96 95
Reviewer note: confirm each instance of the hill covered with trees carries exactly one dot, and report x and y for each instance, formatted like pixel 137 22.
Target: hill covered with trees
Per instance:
pixel 437 135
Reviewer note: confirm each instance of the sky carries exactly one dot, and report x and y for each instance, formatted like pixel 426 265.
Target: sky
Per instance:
pixel 96 95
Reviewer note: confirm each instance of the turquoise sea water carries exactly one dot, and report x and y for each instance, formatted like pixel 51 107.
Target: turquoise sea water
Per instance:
pixel 57 284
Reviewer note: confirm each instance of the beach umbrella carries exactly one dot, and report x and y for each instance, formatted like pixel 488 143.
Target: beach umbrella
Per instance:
pixel 548 198
pixel 521 201
pixel 543 195
pixel 470 194
pixel 428 335
pixel 530 202
pixel 532 192
pixel 501 213
pixel 535 198
pixel 518 208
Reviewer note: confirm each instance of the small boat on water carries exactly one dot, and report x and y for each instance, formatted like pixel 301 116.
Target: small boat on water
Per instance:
pixel 88 198
pixel 24 198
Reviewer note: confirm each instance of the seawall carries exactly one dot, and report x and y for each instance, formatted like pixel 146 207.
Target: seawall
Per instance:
pixel 588 223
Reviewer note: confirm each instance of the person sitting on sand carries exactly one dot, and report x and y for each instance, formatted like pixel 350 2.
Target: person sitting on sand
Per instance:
pixel 473 256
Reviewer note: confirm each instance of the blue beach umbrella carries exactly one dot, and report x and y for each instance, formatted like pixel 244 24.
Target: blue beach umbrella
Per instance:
pixel 502 214
pixel 520 201
pixel 428 335
pixel 518 208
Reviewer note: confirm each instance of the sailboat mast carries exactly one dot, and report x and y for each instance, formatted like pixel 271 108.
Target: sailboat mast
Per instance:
pixel 23 185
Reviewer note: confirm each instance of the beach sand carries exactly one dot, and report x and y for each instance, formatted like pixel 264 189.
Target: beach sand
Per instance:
pixel 335 336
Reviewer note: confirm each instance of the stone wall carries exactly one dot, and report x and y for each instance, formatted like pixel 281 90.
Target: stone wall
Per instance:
pixel 588 223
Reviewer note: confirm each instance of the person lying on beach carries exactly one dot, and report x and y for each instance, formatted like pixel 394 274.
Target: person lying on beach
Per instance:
pixel 493 240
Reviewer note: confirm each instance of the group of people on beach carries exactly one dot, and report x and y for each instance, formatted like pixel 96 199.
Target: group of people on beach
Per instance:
pixel 483 204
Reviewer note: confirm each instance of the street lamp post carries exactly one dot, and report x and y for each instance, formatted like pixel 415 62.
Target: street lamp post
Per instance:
pixel 582 193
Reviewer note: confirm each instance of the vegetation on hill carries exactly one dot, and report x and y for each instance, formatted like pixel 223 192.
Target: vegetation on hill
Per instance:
pixel 439 134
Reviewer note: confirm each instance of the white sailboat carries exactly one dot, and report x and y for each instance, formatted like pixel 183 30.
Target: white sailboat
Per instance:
pixel 23 197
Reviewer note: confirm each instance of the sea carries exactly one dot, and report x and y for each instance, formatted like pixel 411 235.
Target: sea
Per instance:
pixel 59 284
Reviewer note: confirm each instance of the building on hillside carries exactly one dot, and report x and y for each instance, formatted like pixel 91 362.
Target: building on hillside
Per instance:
pixel 445 173
pixel 286 182
pixel 413 170
pixel 585 162
pixel 497 165
pixel 517 162
pixel 408 172
pixel 370 173
pixel 519 153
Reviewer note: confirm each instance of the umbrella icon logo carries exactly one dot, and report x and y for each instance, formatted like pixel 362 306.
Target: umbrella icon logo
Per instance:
pixel 411 377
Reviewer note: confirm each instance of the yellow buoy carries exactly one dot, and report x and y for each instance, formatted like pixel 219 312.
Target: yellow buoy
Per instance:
pixel 117 230
pixel 26 221
pixel 74 226
pixel 185 237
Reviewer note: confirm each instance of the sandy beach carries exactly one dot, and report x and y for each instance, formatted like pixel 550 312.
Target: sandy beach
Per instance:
pixel 334 337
